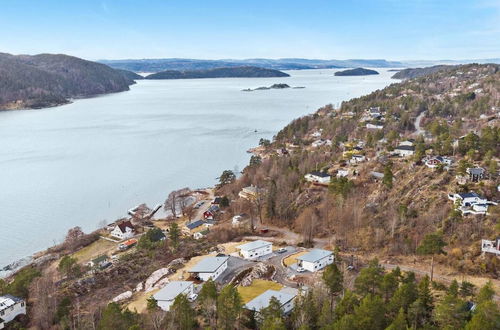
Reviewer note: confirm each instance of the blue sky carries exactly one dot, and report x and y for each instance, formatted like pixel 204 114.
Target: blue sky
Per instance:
pixel 211 29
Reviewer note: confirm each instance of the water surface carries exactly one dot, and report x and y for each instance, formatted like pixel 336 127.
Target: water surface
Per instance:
pixel 89 161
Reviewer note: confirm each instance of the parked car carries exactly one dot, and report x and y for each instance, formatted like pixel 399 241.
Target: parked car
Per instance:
pixel 281 250
pixel 300 270
pixel 192 297
pixel 264 231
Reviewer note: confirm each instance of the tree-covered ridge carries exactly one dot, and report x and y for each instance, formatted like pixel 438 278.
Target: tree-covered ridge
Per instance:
pixel 47 79
pixel 229 72
pixel 391 214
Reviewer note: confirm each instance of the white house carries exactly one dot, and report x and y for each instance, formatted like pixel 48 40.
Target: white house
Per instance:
pixel 409 142
pixel 468 199
pixel 10 307
pixel 315 260
pixel 321 142
pixel 372 126
pixel 255 249
pixel 476 174
pixel 342 172
pixel 318 177
pixel 434 162
pixel 209 268
pixel 357 159
pixel 404 151
pixel 123 230
pixel 250 192
pixel 166 296
pixel 491 246
pixel 285 296
pixel 471 203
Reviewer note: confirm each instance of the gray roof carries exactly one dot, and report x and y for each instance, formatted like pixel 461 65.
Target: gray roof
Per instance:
pixel 315 255
pixel 469 195
pixel 410 148
pixel 262 301
pixel 475 170
pixel 172 290
pixel 320 174
pixel 208 265
pixel 253 245
pixel 195 224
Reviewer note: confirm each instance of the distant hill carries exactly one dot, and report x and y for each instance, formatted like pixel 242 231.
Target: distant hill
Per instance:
pixel 182 64
pixel 356 72
pixel 419 72
pixel 46 80
pixel 236 72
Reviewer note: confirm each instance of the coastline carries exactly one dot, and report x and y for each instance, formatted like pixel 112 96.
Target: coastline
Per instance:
pixel 346 94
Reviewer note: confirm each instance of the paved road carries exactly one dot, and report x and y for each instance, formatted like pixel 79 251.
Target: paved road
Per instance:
pixel 234 266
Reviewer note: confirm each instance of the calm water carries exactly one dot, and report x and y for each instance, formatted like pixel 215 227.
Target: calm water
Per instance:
pixel 92 160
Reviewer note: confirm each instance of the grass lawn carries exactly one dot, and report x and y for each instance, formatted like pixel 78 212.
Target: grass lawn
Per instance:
pixel 257 288
pixel 99 247
pixel 292 259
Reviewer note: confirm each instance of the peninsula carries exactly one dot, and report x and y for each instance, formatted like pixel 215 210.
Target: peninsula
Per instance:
pixel 46 80
pixel 228 72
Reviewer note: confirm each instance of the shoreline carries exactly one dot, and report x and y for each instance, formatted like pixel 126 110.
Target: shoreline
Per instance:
pixel 15 265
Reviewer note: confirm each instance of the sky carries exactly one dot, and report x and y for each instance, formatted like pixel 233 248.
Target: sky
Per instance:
pixel 212 29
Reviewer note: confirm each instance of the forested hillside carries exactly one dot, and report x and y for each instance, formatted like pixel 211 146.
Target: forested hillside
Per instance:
pixel 380 201
pixel 46 80
pixel 229 72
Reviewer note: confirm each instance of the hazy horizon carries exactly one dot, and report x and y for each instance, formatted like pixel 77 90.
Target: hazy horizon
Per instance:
pixel 414 30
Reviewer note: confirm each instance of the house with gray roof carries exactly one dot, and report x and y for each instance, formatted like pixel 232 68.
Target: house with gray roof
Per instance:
pixel 315 260
pixel 209 268
pixel 166 296
pixel 10 308
pixel 476 174
pixel 285 296
pixel 255 249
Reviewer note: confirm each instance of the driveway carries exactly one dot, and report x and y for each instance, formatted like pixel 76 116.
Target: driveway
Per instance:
pixel 234 266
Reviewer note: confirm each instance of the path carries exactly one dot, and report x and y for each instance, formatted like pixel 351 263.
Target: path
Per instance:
pixel 418 120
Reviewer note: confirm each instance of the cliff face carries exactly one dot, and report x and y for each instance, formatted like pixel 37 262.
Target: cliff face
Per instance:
pixel 236 72
pixel 47 80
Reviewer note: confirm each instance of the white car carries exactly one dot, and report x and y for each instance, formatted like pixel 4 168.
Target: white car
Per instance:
pixel 300 270
pixel 281 250
pixel 192 297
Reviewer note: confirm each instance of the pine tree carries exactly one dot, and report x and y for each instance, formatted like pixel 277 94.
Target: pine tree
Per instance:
pixel 207 299
pixel 388 177
pixel 451 312
pixel 182 313
pixel 369 279
pixel 399 322
pixel 346 305
pixel 174 235
pixel 229 307
pixel 370 314
pixel 486 316
pixel 334 280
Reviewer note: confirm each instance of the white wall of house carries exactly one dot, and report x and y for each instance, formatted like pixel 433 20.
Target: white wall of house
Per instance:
pixel 318 264
pixel 489 247
pixel 313 178
pixel 287 307
pixel 404 153
pixel 213 275
pixel 256 253
pixel 166 304
pixel 10 313
pixel 129 233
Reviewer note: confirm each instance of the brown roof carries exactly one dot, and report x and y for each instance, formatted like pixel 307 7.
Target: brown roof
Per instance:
pixel 123 226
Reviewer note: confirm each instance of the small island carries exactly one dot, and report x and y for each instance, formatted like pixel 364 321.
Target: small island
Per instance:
pixel 228 72
pixel 274 86
pixel 356 72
